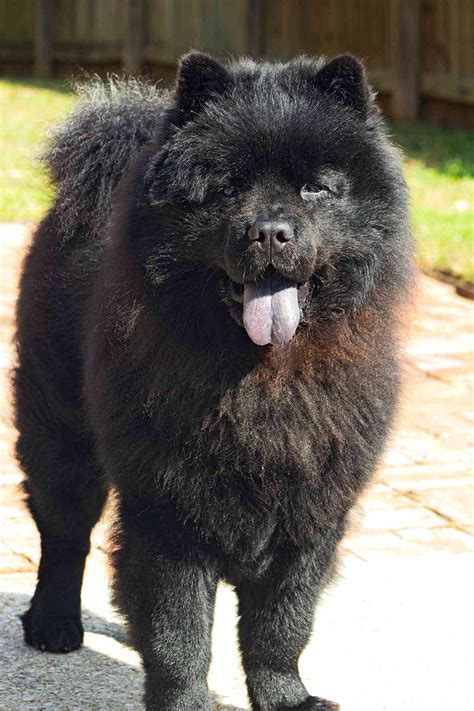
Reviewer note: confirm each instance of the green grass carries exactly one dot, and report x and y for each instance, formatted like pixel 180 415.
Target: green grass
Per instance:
pixel 439 169
pixel 27 108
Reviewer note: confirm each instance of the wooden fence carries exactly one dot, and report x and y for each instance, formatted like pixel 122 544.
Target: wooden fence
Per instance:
pixel 420 53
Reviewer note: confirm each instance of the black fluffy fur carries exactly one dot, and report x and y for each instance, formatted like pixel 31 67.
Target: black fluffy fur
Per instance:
pixel 229 460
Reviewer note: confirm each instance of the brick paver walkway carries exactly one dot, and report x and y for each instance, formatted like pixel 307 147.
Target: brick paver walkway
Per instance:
pixel 394 634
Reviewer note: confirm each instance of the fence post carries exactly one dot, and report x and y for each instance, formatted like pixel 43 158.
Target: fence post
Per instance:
pixel 133 34
pixel 253 27
pixel 43 38
pixel 406 59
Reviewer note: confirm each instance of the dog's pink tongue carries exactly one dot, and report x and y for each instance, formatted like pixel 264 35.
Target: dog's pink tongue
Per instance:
pixel 271 310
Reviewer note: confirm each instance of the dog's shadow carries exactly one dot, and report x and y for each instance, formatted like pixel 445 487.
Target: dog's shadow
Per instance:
pixel 104 674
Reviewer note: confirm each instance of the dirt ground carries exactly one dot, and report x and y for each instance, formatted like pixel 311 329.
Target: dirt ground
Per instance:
pixel 395 633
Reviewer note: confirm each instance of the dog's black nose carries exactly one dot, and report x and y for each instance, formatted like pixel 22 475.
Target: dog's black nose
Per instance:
pixel 271 235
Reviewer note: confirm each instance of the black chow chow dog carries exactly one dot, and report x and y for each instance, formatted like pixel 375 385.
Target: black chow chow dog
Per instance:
pixel 208 323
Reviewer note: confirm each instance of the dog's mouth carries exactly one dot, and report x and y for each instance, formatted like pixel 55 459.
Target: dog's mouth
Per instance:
pixel 270 308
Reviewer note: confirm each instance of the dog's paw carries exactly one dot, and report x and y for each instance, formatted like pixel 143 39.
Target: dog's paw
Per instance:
pixel 314 703
pixel 52 634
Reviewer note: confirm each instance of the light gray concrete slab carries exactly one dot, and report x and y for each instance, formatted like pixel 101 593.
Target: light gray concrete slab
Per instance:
pixel 395 634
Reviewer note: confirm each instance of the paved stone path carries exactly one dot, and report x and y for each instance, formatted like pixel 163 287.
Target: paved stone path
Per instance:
pixel 395 633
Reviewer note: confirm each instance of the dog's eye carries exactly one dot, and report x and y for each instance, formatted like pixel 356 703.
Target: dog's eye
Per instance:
pixel 310 190
pixel 229 191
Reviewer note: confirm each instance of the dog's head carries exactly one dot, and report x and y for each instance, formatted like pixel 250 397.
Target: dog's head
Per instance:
pixel 277 178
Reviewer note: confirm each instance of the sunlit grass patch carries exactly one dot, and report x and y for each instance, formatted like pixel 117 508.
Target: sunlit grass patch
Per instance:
pixel 439 168
pixel 27 109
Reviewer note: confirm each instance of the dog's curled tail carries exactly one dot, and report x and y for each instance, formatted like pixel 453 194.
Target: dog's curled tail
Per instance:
pixel 89 151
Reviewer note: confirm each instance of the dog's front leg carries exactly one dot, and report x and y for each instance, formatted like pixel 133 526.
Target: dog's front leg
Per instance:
pixel 168 597
pixel 276 615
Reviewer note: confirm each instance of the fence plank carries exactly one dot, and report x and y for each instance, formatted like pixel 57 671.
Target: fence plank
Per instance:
pixel 253 27
pixel 133 43
pixel 446 86
pixel 406 59
pixel 43 38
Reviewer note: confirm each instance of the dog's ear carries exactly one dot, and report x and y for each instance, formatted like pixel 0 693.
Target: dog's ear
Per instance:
pixel 345 80
pixel 200 78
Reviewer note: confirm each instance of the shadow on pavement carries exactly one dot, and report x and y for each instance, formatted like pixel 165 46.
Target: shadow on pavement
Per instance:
pixel 103 675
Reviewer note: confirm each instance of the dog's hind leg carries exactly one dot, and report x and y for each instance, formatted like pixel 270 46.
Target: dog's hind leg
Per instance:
pixel 65 494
